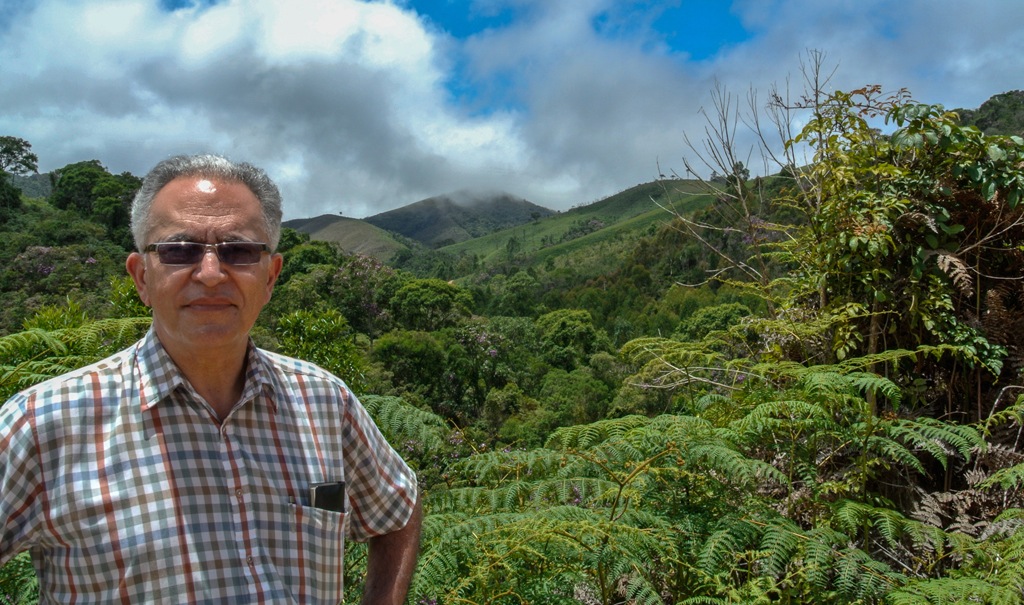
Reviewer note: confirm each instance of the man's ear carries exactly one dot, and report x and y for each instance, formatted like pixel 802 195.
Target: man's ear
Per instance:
pixel 276 263
pixel 136 266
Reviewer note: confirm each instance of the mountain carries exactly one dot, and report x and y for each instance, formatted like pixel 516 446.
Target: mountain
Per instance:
pixel 1001 114
pixel 586 235
pixel 457 217
pixel 352 235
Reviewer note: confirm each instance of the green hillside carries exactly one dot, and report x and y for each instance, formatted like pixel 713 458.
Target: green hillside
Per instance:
pixel 354 236
pixel 448 219
pixel 1001 114
pixel 587 235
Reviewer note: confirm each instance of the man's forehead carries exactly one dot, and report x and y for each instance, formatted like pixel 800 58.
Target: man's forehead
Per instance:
pixel 206 185
pixel 198 206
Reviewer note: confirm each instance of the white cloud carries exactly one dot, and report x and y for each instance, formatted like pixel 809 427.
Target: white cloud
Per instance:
pixel 359 107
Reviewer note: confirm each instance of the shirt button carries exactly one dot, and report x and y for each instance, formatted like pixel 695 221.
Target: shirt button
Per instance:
pixel 238 492
pixel 249 560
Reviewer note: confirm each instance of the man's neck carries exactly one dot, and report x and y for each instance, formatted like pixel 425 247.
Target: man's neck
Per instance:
pixel 217 375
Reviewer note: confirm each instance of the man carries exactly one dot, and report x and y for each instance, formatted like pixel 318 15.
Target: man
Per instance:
pixel 193 467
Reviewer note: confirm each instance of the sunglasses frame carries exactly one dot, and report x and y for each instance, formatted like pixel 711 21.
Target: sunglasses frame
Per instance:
pixel 205 248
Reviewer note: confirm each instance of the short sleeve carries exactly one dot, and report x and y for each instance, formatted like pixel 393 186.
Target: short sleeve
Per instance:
pixel 21 482
pixel 382 489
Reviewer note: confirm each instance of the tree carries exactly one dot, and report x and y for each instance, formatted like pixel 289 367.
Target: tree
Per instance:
pixel 363 287
pixel 10 200
pixel 569 337
pixel 16 156
pixel 301 258
pixel 416 361
pixel 324 338
pixel 74 187
pixel 90 190
pixel 430 304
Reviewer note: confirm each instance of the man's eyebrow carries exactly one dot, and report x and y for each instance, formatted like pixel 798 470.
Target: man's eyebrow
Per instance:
pixel 179 237
pixel 188 237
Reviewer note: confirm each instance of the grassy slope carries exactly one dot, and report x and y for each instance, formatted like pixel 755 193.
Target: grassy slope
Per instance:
pixel 626 216
pixel 354 236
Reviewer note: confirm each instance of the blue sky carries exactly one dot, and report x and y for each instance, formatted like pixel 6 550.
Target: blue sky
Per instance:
pixel 356 107
pixel 698 28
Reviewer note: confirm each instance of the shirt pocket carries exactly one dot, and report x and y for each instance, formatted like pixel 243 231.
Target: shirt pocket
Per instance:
pixel 307 547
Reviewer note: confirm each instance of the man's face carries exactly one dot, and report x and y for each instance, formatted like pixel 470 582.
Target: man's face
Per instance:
pixel 210 306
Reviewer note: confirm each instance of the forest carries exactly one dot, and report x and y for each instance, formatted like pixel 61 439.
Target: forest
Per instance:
pixel 802 387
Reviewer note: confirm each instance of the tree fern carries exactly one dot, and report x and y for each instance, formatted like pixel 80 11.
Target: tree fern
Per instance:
pixel 1006 478
pixel 587 435
pixel 733 536
pixel 402 423
pixel 18 583
pixel 781 541
pixel 953 591
pixel 37 354
pixel 495 468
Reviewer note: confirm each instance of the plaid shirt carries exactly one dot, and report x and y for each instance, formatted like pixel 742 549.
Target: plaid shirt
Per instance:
pixel 125 487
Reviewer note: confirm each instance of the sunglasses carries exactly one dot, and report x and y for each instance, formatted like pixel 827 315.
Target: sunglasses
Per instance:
pixel 190 253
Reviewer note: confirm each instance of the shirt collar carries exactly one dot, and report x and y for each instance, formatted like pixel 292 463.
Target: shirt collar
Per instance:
pixel 159 376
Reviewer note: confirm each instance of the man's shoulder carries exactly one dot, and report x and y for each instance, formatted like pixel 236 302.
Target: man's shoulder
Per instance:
pixel 291 368
pixel 78 388
pixel 108 368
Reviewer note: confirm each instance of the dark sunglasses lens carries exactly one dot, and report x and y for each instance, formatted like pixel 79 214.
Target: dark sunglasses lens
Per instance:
pixel 240 253
pixel 180 253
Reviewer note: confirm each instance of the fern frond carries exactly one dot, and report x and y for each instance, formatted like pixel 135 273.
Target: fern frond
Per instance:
pixel 640 591
pixel 733 466
pixel 495 468
pixel 20 345
pixel 894 451
pixel 525 495
pixel 951 591
pixel 585 436
pixel 822 547
pixel 781 540
pixel 862 578
pixel 958 272
pixel 937 437
pixel 869 382
pixel 787 416
pixel 18 582
pixel 733 536
pixel 1006 478
pixel 401 422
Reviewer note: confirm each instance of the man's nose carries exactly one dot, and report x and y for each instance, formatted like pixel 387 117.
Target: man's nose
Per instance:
pixel 209 270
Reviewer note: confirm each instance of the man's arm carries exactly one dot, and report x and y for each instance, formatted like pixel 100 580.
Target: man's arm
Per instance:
pixel 391 561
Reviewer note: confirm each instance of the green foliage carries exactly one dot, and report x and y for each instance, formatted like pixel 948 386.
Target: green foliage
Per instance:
pixel 10 200
pixel 569 337
pixel 430 304
pixel 931 212
pixel 416 361
pixel 301 258
pixel 711 319
pixel 59 340
pixel 88 189
pixel 324 338
pixel 125 298
pixel 1001 114
pixel 363 289
pixel 16 156
pixel 18 582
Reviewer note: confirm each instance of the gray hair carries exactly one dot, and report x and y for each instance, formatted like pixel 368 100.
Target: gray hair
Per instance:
pixel 207 166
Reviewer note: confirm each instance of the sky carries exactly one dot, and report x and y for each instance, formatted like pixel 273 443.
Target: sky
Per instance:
pixel 358 107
